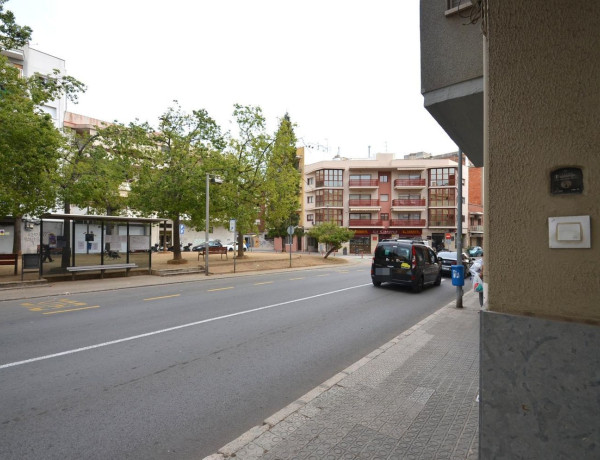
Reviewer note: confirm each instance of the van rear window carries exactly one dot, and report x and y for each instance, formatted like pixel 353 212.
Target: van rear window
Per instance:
pixel 393 252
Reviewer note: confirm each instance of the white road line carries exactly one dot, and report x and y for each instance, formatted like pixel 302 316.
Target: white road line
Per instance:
pixel 196 323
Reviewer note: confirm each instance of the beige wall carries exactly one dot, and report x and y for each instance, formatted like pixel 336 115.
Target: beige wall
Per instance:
pixel 543 110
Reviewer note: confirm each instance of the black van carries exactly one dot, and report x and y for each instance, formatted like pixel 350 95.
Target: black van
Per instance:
pixel 405 262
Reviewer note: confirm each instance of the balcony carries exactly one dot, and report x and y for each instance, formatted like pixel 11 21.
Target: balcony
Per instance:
pixel 364 183
pixel 410 183
pixel 407 223
pixel 365 223
pixel 407 203
pixel 476 228
pixel 363 203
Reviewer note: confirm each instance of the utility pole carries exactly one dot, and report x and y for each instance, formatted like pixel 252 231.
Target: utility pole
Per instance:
pixel 459 261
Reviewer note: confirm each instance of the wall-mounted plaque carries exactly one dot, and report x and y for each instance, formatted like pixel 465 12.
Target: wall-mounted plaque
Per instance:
pixel 566 180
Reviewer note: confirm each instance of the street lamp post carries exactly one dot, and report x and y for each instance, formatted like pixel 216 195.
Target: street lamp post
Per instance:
pixel 217 180
pixel 207 223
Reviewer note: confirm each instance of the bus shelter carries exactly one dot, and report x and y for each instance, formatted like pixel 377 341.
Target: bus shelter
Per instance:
pixel 71 243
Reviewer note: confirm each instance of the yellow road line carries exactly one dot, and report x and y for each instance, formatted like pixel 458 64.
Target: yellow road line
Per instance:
pixel 294 279
pixel 220 289
pixel 72 309
pixel 326 274
pixel 266 282
pixel 163 297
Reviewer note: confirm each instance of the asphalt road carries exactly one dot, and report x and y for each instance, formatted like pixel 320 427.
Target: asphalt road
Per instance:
pixel 179 370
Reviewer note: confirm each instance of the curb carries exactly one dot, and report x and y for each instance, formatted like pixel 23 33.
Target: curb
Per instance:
pixel 62 288
pixel 246 439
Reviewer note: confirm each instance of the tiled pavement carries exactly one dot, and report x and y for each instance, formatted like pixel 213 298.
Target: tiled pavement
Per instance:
pixel 413 398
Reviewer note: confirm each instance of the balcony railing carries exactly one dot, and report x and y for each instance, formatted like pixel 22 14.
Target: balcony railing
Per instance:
pixel 476 228
pixel 364 182
pixel 407 223
pixel 365 223
pixel 409 183
pixel 354 202
pixel 409 202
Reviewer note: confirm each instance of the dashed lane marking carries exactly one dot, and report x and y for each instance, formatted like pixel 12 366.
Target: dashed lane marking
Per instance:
pixel 163 297
pixel 72 309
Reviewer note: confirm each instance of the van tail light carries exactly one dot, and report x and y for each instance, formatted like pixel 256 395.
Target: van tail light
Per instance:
pixel 414 258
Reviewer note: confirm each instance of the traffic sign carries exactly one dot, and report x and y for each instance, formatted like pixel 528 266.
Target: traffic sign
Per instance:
pixel 290 230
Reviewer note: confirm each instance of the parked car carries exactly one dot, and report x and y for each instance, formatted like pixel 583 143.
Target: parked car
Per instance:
pixel 476 251
pixel 407 263
pixel 211 244
pixel 447 259
pixel 230 246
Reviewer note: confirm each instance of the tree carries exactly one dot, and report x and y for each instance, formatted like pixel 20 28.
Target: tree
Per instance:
pixel 170 177
pixel 282 188
pixel 331 234
pixel 12 35
pixel 243 168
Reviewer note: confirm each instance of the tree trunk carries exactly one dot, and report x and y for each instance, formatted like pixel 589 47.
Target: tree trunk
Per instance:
pixel 176 239
pixel 17 235
pixel 329 252
pixel 66 251
pixel 240 245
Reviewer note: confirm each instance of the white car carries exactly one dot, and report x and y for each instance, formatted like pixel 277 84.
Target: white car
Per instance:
pixel 230 246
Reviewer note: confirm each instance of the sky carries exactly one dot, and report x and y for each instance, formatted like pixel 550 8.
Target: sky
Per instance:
pixel 346 71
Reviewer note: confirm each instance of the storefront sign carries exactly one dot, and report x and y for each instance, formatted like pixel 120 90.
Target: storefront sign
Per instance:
pixel 410 231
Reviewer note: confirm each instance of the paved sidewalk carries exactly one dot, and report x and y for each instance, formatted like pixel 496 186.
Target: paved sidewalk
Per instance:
pixel 413 398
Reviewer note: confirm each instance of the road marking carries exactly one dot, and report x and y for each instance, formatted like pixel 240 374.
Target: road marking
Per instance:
pixel 72 309
pixel 266 282
pixel 174 328
pixel 220 289
pixel 294 279
pixel 163 297
pixel 326 274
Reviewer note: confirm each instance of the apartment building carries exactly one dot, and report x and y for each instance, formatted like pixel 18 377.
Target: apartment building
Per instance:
pixel 383 197
pixel 30 61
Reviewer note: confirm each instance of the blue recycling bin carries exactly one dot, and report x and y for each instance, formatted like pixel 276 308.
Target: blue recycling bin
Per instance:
pixel 458 275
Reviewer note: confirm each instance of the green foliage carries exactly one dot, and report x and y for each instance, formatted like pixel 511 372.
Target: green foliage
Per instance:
pixel 12 35
pixel 332 235
pixel 170 178
pixel 242 167
pixel 29 153
pixel 282 185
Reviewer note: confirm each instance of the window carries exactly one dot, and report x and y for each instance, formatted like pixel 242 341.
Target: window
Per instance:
pixel 329 178
pixel 360 196
pixel 310 181
pixel 383 178
pixel 384 197
pixel 310 199
pixel 385 216
pixel 329 215
pixel 442 197
pixel 409 196
pixel 360 177
pixel 310 217
pixel 409 176
pixel 442 177
pixel 360 215
pixel 330 197
pixel 442 217
pixel 409 215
